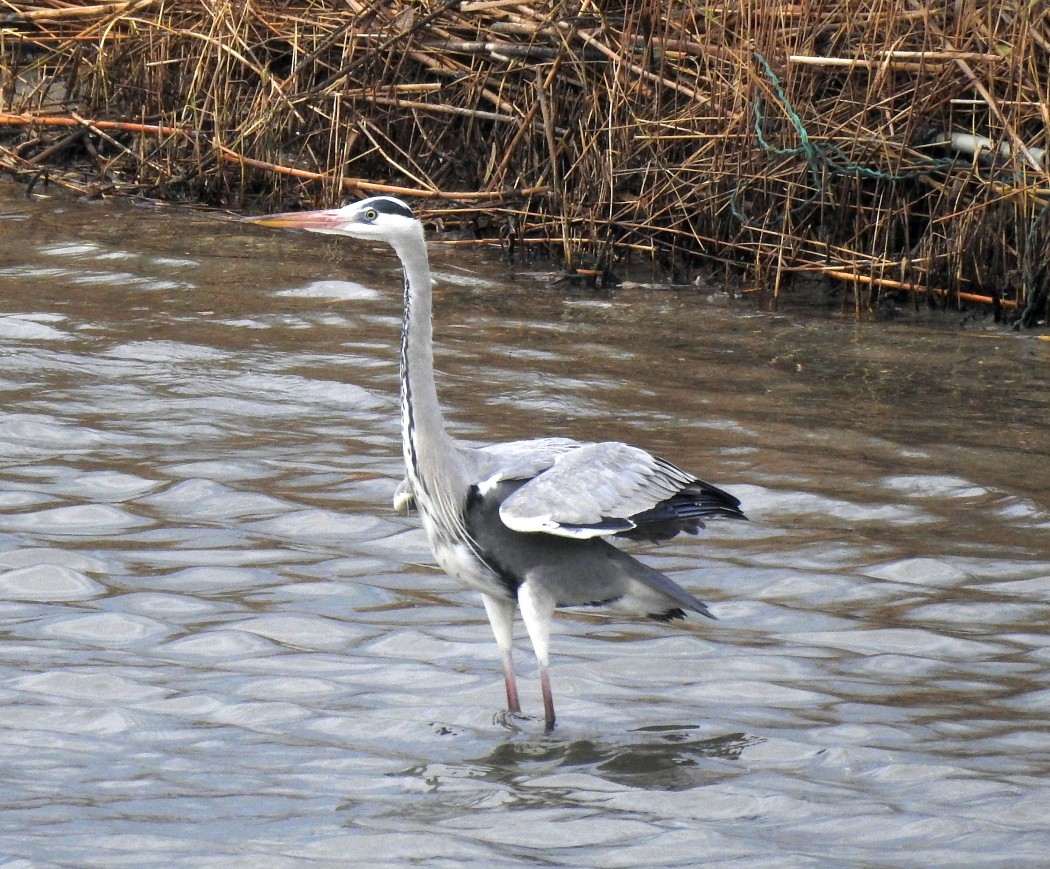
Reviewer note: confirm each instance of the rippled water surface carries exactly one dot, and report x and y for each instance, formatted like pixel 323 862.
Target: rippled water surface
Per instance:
pixel 221 646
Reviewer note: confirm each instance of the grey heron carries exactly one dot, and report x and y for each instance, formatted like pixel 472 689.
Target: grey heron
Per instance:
pixel 524 523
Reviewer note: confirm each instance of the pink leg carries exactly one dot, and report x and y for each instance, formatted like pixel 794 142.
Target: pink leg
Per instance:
pixel 548 699
pixel 537 607
pixel 512 689
pixel 501 617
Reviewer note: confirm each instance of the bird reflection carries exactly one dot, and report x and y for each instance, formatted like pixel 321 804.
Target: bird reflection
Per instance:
pixel 666 757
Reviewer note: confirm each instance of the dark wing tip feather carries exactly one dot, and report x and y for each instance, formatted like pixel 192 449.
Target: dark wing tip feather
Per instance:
pixel 683 511
pixel 668 615
pixel 679 613
pixel 712 500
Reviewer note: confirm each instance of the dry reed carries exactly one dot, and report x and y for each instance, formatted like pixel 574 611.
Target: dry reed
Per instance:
pixel 895 145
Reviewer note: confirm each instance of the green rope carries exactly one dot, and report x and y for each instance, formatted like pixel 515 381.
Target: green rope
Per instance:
pixel 827 156
pixel 824 160
pixel 827 160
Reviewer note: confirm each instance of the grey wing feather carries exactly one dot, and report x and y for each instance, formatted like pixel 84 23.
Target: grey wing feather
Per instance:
pixel 495 463
pixel 612 488
pixel 585 490
pixel 518 460
pixel 590 488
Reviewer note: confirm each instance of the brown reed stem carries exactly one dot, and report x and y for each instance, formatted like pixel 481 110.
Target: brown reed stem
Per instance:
pixel 775 138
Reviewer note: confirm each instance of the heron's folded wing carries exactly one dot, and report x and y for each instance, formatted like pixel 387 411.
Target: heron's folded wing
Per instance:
pixel 494 463
pixel 519 460
pixel 606 488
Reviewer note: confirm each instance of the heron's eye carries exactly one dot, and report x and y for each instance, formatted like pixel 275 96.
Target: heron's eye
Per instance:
pixel 371 214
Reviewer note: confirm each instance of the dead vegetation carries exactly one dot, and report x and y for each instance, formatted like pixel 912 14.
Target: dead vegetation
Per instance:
pixel 894 145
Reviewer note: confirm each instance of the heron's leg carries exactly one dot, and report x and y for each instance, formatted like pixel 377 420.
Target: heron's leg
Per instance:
pixel 501 617
pixel 537 609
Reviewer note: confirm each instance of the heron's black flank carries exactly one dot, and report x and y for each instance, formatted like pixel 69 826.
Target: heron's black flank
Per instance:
pixel 479 511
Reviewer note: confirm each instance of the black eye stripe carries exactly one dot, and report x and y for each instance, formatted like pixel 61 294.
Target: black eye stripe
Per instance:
pixel 387 205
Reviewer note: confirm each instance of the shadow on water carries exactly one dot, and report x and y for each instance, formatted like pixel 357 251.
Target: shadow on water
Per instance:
pixel 660 757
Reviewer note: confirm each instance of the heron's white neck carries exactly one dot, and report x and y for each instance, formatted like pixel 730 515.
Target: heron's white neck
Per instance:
pixel 431 457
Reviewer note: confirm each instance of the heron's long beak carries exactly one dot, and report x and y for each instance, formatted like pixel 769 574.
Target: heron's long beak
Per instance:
pixel 326 220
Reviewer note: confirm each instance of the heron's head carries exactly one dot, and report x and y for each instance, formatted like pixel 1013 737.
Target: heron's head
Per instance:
pixel 379 218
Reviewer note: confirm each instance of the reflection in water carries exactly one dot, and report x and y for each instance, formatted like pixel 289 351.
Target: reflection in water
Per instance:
pixel 658 762
pixel 221 646
pixel 661 758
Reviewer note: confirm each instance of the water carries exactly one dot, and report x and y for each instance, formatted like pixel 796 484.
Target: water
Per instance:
pixel 220 646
